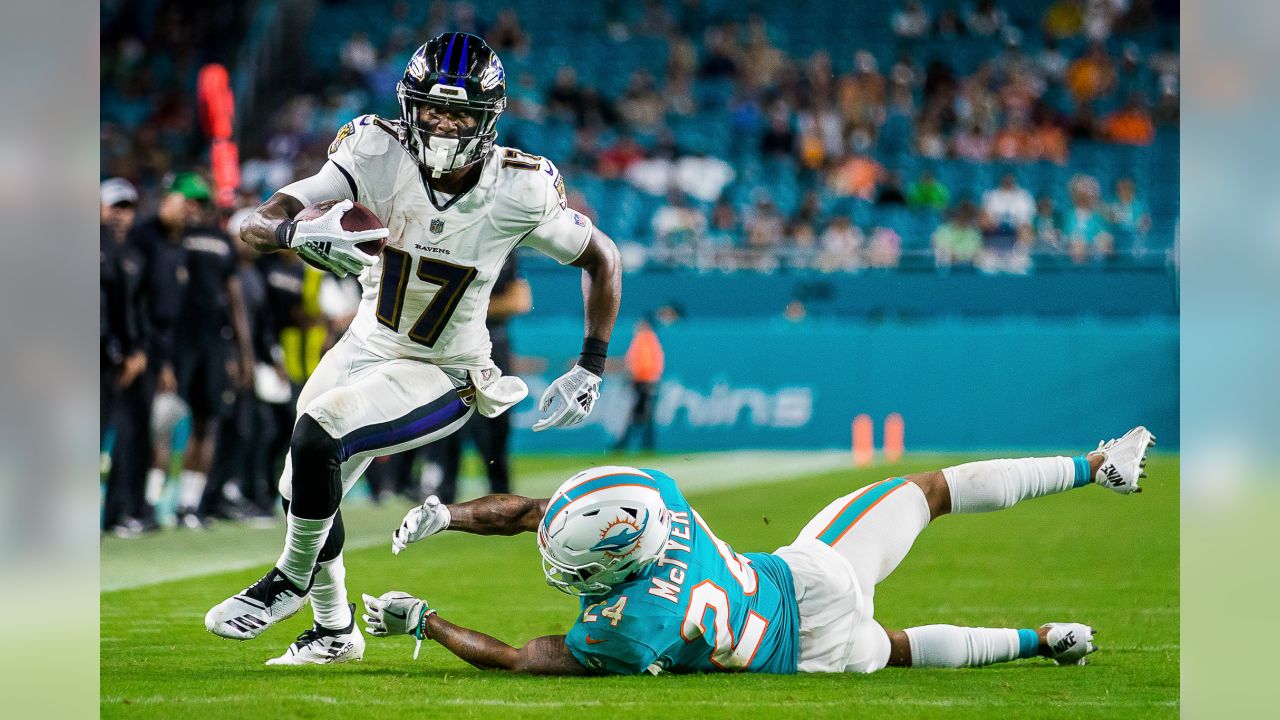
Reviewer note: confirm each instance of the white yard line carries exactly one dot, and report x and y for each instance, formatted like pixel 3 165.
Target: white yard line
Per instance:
pixel 420 703
pixel 696 473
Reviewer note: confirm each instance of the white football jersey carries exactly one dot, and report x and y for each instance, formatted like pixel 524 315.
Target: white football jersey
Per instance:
pixel 428 296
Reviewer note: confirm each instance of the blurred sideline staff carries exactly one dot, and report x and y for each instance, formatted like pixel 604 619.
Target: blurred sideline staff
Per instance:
pixel 237 474
pixel 198 348
pixel 644 364
pixel 122 333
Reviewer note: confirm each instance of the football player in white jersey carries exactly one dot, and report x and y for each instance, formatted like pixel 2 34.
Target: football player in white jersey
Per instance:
pixel 415 362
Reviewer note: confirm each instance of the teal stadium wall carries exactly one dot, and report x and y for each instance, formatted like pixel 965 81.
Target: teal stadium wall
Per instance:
pixel 961 382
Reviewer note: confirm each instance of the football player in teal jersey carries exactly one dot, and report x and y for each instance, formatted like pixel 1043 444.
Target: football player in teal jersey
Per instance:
pixel 661 593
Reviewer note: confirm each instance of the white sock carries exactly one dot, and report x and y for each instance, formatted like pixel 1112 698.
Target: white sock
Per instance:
pixel 192 488
pixel 953 647
pixel 329 595
pixel 302 543
pixel 155 485
pixel 997 484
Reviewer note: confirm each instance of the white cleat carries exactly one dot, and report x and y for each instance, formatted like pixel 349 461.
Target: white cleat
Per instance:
pixel 1126 460
pixel 321 646
pixel 245 615
pixel 1069 643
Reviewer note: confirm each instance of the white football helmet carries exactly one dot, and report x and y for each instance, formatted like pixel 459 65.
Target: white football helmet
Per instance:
pixel 602 526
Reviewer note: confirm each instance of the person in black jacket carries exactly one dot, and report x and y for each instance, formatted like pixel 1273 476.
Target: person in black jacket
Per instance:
pixel 236 481
pixel 123 357
pixel 196 310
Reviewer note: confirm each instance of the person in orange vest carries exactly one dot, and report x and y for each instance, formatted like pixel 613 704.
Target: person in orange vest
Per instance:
pixel 644 364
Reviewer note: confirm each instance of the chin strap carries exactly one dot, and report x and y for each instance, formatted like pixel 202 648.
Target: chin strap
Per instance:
pixel 441 156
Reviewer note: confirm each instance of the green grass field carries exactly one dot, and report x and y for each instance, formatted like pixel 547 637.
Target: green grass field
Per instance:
pixel 1087 555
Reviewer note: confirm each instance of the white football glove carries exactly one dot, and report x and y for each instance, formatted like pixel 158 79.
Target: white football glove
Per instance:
pixel 396 613
pixel 325 243
pixel 425 520
pixel 577 391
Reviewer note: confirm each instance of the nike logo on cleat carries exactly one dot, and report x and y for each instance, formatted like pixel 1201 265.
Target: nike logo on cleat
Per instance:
pixel 1066 642
pixel 1113 476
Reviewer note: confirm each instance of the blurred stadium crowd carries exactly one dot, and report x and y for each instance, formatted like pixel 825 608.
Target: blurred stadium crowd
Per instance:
pixel 808 136
pixel 723 134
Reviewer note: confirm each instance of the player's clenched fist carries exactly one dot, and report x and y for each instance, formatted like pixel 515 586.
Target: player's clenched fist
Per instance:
pixel 324 242
pixel 425 520
pixel 576 391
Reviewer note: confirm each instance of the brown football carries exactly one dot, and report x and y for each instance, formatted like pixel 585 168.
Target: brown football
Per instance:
pixel 356 219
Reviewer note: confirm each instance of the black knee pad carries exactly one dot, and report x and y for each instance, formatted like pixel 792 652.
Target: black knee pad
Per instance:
pixel 317 470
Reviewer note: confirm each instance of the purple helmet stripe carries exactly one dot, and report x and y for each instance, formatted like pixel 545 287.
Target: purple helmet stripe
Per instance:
pixel 448 52
pixel 462 62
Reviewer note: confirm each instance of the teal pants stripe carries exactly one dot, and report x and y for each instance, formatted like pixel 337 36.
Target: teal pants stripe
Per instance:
pixel 854 510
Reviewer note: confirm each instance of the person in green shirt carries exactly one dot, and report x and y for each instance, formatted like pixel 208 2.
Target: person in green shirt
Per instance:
pixel 927 193
pixel 958 241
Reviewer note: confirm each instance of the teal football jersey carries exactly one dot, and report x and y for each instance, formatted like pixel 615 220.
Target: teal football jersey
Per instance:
pixel 701 607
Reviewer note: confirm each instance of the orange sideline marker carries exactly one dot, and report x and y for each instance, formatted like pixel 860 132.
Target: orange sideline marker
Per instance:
pixel 864 449
pixel 894 435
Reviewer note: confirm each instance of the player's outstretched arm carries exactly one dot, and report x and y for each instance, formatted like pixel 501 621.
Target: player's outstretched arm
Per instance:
pixel 548 655
pixel 498 515
pixel 399 613
pixel 489 515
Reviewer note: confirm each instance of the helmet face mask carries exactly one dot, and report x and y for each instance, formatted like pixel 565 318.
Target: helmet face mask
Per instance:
pixel 601 531
pixel 582 580
pixel 455 75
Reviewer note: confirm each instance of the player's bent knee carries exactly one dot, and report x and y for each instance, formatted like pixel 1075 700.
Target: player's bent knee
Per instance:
pixel 936 491
pixel 310 440
pixel 316 457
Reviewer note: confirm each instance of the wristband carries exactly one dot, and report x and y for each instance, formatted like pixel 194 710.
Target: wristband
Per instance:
pixel 593 356
pixel 421 630
pixel 284 233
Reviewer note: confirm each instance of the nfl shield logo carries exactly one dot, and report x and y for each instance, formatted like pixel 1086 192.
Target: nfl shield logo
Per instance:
pixel 437 226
